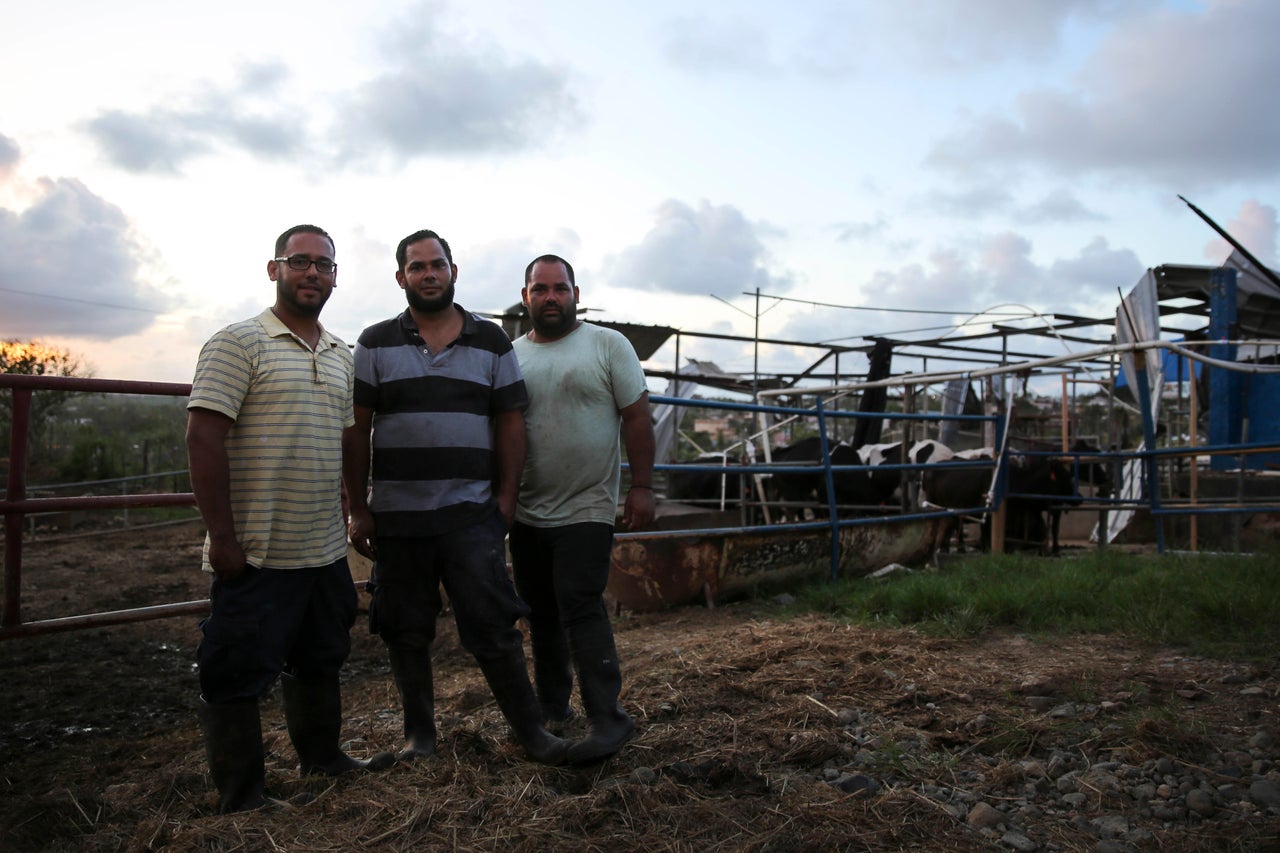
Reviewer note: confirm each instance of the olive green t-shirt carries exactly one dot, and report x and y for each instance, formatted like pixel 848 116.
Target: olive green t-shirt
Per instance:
pixel 577 387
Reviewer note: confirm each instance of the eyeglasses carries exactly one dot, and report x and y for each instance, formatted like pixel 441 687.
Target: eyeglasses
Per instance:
pixel 324 266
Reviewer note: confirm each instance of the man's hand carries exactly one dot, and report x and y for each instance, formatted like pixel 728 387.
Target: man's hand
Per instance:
pixel 226 557
pixel 360 530
pixel 639 508
pixel 507 509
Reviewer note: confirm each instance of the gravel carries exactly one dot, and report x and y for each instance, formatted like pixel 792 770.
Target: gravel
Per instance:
pixel 1015 805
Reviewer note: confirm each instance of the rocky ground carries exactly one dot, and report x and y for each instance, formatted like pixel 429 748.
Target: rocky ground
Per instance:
pixel 759 730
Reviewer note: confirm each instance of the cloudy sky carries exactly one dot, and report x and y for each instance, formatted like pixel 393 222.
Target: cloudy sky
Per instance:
pixel 923 154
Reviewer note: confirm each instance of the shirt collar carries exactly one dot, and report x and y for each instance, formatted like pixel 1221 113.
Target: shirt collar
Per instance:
pixel 275 328
pixel 468 322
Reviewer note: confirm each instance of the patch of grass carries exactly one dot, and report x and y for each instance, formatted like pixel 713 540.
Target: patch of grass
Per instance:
pixel 1216 606
pixel 1010 738
pixel 911 761
pixel 1083 690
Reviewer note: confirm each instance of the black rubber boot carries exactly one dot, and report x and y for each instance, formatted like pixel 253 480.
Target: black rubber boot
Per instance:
pixel 233 743
pixel 412 671
pixel 560 721
pixel 313 715
pixel 552 673
pixel 600 682
pixel 509 680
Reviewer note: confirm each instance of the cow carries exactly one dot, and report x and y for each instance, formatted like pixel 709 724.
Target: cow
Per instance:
pixel 1083 472
pixel 857 489
pixel 957 488
pixel 1041 486
pixel 1036 486
pixel 1095 472
pixel 794 487
pixel 887 482
pixel 708 488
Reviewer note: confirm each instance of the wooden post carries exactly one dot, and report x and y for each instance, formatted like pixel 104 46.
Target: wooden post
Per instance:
pixel 1066 431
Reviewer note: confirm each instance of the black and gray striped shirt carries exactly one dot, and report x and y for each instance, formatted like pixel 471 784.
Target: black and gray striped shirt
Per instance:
pixel 433 460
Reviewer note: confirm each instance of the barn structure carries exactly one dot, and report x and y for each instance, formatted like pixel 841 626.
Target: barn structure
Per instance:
pixel 1177 391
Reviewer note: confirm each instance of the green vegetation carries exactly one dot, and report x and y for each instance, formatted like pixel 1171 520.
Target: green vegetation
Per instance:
pixel 84 443
pixel 104 436
pixel 1216 606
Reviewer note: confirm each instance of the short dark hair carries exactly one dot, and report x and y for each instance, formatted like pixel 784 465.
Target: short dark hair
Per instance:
pixel 283 239
pixel 417 236
pixel 549 259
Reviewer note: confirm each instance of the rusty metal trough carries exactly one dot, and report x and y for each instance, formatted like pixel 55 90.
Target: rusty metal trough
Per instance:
pixel 669 568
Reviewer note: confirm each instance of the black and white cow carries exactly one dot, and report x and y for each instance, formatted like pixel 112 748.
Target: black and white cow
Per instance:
pixel 860 490
pixel 889 481
pixel 810 487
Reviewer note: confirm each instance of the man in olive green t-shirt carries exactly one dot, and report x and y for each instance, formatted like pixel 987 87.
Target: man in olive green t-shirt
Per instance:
pixel 585 386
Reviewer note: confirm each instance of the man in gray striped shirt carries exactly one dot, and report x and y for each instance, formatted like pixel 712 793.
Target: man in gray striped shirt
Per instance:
pixel 440 390
pixel 270 400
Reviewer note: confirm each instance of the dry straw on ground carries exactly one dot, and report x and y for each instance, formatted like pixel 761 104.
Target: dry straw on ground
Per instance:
pixel 740 710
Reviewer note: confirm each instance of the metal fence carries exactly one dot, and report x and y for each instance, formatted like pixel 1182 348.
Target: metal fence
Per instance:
pixel 17 504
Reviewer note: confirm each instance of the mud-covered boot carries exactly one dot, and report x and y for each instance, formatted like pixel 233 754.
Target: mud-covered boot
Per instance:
pixel 412 671
pixel 600 682
pixel 509 680
pixel 233 743
pixel 313 715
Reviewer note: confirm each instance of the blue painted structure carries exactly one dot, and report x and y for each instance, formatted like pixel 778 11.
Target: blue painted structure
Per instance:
pixel 1238 399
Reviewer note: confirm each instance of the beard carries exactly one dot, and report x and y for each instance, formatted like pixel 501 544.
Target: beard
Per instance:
pixel 427 305
pixel 288 295
pixel 555 325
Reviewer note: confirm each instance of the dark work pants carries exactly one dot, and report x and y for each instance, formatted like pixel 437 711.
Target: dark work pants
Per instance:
pixel 561 573
pixel 471 563
pixel 270 620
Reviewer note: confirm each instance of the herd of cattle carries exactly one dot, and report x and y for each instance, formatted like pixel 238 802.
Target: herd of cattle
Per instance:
pixel 875 479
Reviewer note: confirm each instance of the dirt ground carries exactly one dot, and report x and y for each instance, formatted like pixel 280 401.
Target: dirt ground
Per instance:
pixel 740 710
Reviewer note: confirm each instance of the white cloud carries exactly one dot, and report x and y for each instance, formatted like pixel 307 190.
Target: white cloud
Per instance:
pixel 1255 227
pixel 1093 275
pixel 71 264
pixel 807 127
pixel 998 270
pixel 839 41
pixel 700 44
pixel 493 272
pixel 10 155
pixel 437 94
pixel 164 138
pixel 443 95
pixel 1159 101
pixel 709 249
pixel 1058 206
pixel 971 201
pixel 858 232
pixel 955 35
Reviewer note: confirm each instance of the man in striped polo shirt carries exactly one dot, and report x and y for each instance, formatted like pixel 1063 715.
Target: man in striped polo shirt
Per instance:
pixel 440 389
pixel 268 406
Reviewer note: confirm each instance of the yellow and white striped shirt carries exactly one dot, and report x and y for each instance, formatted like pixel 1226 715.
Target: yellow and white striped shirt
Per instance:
pixel 290 406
